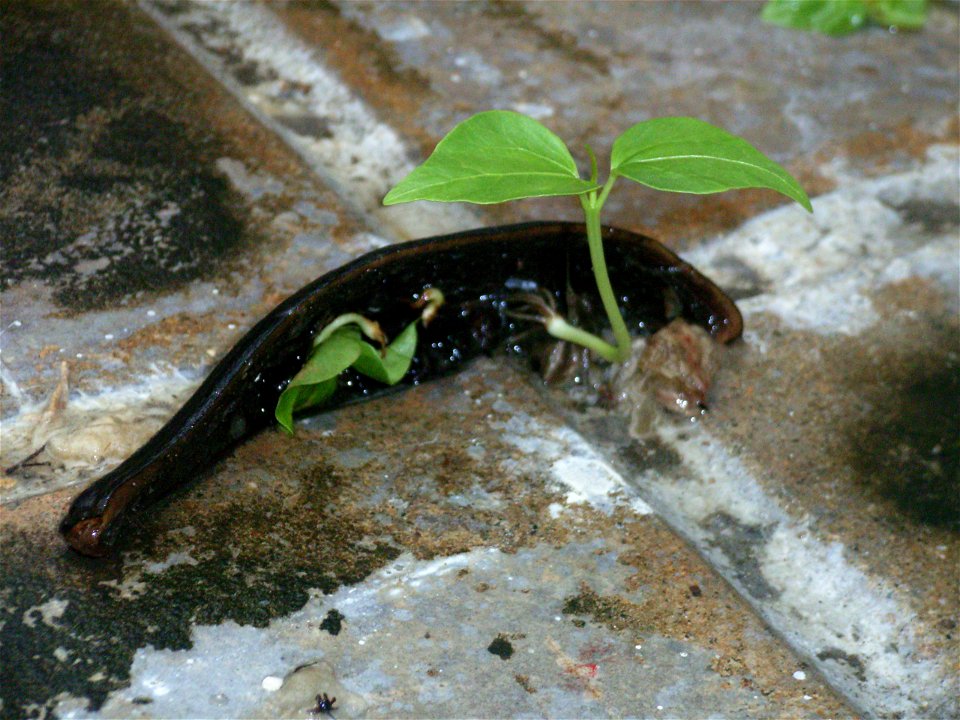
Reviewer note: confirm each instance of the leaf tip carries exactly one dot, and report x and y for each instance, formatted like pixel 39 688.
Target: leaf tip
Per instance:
pixel 391 198
pixel 804 199
pixel 286 425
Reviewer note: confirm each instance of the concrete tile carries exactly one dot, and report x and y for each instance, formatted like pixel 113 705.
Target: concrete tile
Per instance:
pixel 147 221
pixel 823 483
pixel 291 90
pixel 407 570
pixel 815 488
pixel 873 100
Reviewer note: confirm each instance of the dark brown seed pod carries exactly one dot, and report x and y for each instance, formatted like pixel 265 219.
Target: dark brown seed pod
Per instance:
pixel 477 270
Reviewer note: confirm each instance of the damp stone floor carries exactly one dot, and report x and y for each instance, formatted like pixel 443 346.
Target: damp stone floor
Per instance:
pixel 483 545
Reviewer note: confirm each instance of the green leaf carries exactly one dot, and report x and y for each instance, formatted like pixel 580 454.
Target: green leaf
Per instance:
pixel 839 17
pixel 831 17
pixel 493 157
pixel 395 362
pixel 907 14
pixel 687 155
pixel 317 380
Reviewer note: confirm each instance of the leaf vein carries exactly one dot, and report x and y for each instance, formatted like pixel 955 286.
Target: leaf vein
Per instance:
pixel 668 158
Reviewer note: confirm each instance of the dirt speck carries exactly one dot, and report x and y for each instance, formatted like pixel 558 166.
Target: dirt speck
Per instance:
pixel 852 661
pixel 524 682
pixel 501 647
pixel 741 543
pixel 333 622
pixel 613 612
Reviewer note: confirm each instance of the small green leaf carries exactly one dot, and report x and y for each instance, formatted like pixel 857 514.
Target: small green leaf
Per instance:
pixel 395 362
pixel 493 157
pixel 831 17
pixel 687 155
pixel 907 14
pixel 305 396
pixel 840 17
pixel 316 381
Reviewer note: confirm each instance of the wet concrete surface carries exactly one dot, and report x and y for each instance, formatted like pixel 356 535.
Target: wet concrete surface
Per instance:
pixel 830 443
pixel 483 546
pixel 147 220
pixel 116 185
pixel 591 70
pixel 431 546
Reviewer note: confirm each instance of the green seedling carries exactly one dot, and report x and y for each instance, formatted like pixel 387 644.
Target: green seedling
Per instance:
pixel 340 345
pixel 496 156
pixel 840 17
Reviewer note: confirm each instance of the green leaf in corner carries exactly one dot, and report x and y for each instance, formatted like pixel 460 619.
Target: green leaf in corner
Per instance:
pixel 831 17
pixel 317 380
pixel 681 154
pixel 906 14
pixel 393 365
pixel 493 157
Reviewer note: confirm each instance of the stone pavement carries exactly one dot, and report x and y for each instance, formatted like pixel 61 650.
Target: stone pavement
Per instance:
pixel 481 546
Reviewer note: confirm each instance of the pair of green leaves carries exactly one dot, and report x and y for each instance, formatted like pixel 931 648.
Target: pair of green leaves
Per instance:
pixel 498 155
pixel 344 348
pixel 840 17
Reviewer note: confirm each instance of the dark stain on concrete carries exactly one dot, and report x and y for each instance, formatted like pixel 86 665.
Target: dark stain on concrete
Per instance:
pixel 251 566
pixel 44 88
pixel 746 282
pixel 845 432
pixel 106 192
pixel 908 450
pixel 174 8
pixel 333 622
pixel 741 543
pixel 501 647
pixel 649 454
pixel 307 125
pixel 249 73
pixel 561 41
pixel 934 216
pixel 613 612
pixel 852 661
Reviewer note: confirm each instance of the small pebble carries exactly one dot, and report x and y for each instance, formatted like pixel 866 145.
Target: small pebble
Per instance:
pixel 271 683
pixel 799 675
